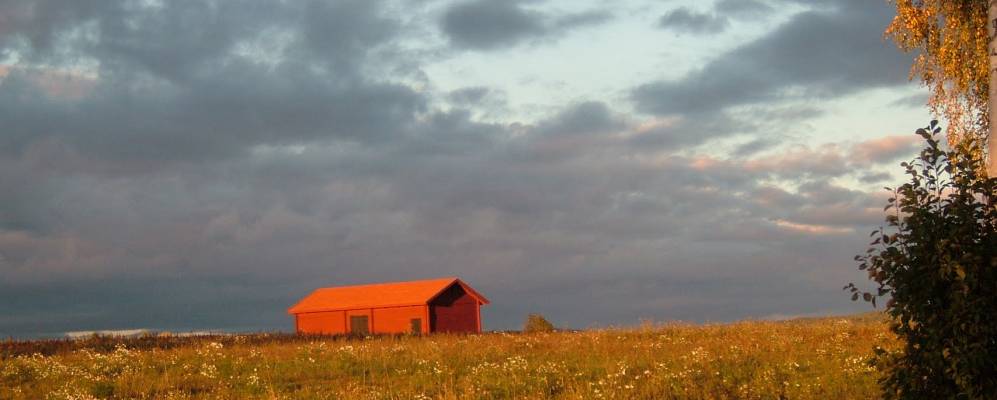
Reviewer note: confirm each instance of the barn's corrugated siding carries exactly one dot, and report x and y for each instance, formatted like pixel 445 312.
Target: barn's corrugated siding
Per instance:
pixel 396 319
pixel 380 320
pixel 326 323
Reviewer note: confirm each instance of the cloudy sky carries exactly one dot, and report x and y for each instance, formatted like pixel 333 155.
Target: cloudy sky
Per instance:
pixel 203 164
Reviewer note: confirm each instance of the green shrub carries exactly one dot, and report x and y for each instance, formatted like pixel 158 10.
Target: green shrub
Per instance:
pixel 537 323
pixel 936 261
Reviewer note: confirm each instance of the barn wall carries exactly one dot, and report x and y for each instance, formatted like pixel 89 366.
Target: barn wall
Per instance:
pixel 384 320
pixel 329 322
pixel 397 319
pixel 454 311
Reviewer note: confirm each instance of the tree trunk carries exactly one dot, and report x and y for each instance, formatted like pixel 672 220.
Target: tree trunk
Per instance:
pixel 992 100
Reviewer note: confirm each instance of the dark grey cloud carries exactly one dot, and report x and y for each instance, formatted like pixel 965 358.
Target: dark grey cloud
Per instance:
pixel 489 25
pixel 582 19
pixel 119 120
pixel 469 95
pixel 202 165
pixel 582 119
pixel 684 20
pixel 692 131
pixel 167 74
pixel 344 32
pixel 753 147
pixel 771 122
pixel 743 9
pixel 875 177
pixel 818 54
pixel 40 22
pixel 484 102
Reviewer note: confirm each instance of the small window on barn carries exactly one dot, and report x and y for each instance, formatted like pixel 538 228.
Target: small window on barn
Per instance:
pixel 416 325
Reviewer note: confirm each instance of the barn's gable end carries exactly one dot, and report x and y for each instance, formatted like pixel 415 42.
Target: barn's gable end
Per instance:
pixel 454 310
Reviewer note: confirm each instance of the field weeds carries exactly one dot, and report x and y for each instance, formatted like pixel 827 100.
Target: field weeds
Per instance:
pixel 825 358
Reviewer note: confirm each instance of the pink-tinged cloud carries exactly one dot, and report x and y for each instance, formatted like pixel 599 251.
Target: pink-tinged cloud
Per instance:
pixel 885 149
pixel 841 214
pixel 835 159
pixel 812 228
pixel 64 84
pixel 657 124
pixel 826 160
pixel 705 163
pixel 56 83
pixel 772 196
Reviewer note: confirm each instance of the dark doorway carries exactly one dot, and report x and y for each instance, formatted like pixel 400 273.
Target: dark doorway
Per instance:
pixel 358 325
pixel 416 325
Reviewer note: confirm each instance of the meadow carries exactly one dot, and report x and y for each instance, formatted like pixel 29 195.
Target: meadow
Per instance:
pixel 824 358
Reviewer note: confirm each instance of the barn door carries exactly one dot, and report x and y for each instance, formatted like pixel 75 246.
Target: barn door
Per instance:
pixel 358 325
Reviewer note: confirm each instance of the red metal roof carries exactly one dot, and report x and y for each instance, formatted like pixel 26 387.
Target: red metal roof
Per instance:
pixel 378 295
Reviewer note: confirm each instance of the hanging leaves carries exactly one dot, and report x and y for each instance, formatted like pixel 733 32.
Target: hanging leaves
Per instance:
pixel 937 264
pixel 950 40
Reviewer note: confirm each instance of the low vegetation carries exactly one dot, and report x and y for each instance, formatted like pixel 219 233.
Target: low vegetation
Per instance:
pixel 536 323
pixel 824 358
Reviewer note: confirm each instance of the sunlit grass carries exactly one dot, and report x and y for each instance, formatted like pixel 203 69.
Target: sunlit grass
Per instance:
pixel 805 359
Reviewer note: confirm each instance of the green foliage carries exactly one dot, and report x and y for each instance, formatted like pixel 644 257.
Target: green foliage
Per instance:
pixel 537 323
pixel 937 262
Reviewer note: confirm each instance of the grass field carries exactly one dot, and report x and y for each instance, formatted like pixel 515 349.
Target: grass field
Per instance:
pixel 823 358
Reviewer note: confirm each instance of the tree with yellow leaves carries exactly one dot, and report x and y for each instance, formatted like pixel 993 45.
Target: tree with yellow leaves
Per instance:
pixel 955 55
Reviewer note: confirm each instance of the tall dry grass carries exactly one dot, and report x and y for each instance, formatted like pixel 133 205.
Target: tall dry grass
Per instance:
pixel 805 359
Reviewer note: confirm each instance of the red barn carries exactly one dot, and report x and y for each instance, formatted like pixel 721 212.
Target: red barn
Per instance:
pixel 436 305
